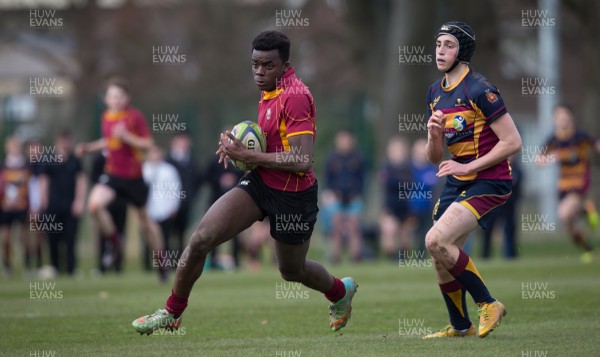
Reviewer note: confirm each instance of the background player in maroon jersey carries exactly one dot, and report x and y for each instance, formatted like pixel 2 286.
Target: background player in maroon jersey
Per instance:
pixel 282 187
pixel 125 136
pixel 572 148
pixel 14 191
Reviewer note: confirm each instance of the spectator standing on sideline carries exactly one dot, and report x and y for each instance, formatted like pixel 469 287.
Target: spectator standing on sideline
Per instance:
pixel 506 214
pixel 345 176
pixel 425 180
pixel 164 197
pixel 180 156
pixel 63 187
pixel 221 180
pixel 37 159
pixel 395 179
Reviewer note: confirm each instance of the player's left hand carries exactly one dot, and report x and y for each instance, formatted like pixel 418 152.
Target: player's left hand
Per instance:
pixel 230 148
pixel 451 167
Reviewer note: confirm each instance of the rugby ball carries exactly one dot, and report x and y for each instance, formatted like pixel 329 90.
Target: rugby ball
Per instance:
pixel 253 138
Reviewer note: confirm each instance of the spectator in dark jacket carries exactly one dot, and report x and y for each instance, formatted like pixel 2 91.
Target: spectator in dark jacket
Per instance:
pixel 345 176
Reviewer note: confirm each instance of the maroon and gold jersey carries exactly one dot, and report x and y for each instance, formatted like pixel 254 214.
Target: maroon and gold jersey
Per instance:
pixel 287 111
pixel 123 160
pixel 470 106
pixel 573 156
pixel 15 188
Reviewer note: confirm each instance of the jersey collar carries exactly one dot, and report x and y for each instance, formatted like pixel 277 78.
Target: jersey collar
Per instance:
pixel 274 93
pixel 460 79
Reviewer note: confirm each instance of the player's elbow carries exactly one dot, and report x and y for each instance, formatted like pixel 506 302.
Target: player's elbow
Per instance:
pixel 303 167
pixel 147 143
pixel 434 155
pixel 433 158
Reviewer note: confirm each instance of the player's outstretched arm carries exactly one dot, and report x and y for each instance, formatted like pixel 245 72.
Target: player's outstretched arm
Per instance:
pixel 509 142
pixel 140 142
pixel 435 137
pixel 92 146
pixel 298 159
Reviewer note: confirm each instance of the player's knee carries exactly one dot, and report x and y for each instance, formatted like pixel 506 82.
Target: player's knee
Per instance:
pixel 199 244
pixel 93 207
pixel 432 241
pixel 201 240
pixel 564 216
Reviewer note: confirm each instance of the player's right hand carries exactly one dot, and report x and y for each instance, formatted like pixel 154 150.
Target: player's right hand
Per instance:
pixel 435 124
pixel 80 150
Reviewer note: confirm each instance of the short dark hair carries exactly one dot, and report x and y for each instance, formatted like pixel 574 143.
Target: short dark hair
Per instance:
pixel 65 134
pixel 566 106
pixel 119 82
pixel 273 40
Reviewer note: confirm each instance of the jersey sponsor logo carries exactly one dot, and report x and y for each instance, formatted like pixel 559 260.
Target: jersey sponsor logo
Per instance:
pixel 244 182
pixel 459 123
pixel 435 101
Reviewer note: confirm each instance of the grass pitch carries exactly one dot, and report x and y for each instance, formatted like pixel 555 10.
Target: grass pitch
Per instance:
pixel 551 298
